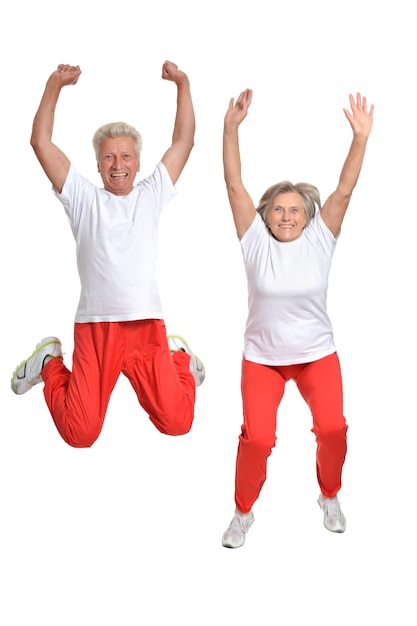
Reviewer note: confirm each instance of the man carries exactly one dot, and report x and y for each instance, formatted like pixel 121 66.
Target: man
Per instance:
pixel 119 326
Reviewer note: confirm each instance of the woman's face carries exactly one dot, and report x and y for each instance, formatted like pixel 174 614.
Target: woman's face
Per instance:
pixel 286 217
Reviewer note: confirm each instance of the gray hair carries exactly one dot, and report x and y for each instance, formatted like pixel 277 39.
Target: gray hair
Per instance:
pixel 309 193
pixel 116 129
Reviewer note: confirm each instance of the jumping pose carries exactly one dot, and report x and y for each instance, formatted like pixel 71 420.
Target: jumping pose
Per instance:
pixel 119 326
pixel 288 243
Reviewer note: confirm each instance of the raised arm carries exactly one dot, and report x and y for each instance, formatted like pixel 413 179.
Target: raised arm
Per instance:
pixel 334 209
pixel 52 159
pixel 243 209
pixel 177 155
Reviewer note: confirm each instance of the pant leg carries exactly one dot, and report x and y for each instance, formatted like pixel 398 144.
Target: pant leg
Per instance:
pixel 78 400
pixel 262 391
pixel 320 384
pixel 163 382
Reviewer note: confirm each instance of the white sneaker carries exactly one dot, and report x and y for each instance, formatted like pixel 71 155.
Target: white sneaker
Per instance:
pixel 28 373
pixel 334 520
pixel 197 369
pixel 235 535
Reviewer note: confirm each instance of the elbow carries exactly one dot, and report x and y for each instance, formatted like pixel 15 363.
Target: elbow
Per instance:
pixel 232 187
pixel 35 143
pixel 188 147
pixel 344 193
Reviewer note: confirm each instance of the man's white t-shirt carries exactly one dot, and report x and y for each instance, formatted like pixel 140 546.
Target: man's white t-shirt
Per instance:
pixel 287 291
pixel 116 244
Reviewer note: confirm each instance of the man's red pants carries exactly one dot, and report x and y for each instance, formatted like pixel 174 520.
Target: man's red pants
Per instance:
pixel 163 383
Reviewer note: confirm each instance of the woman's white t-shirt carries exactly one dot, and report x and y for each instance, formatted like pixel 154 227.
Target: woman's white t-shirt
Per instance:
pixel 287 291
pixel 116 245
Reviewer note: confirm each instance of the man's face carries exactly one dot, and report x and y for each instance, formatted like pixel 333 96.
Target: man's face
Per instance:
pixel 118 164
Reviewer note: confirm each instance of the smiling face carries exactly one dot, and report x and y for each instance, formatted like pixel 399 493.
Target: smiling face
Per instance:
pixel 286 217
pixel 118 164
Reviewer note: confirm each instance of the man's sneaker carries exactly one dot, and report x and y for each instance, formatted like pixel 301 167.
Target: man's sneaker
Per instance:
pixel 334 519
pixel 235 535
pixel 28 373
pixel 197 369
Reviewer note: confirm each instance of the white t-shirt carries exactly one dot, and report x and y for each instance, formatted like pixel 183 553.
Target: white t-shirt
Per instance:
pixel 287 290
pixel 116 243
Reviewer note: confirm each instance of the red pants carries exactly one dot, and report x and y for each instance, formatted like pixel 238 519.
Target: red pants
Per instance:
pixel 163 382
pixel 320 384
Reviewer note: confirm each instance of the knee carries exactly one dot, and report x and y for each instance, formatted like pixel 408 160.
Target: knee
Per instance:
pixel 331 433
pixel 81 439
pixel 260 442
pixel 173 428
pixel 177 432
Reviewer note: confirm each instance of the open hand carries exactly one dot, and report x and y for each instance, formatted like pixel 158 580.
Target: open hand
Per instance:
pixel 360 119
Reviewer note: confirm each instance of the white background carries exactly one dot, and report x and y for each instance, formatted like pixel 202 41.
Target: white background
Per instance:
pixel 129 531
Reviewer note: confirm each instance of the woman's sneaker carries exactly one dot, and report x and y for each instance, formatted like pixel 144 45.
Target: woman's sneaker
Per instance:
pixel 28 373
pixel 334 520
pixel 235 535
pixel 197 369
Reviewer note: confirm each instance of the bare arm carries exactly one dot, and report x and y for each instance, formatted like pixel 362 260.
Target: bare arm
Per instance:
pixel 177 155
pixel 53 161
pixel 335 207
pixel 243 209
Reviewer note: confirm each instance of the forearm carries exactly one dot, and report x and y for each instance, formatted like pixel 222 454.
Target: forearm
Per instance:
pixel 231 157
pixel 44 118
pixel 352 165
pixel 184 126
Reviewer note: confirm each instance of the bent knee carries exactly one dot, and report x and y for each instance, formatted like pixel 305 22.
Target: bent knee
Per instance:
pixel 178 432
pixel 173 428
pixel 82 439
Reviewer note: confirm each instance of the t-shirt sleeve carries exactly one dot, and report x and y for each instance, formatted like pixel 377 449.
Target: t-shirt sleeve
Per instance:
pixel 318 232
pixel 250 242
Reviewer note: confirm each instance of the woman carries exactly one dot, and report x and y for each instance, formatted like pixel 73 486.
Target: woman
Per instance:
pixel 287 248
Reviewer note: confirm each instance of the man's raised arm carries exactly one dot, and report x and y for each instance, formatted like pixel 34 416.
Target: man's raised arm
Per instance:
pixel 53 161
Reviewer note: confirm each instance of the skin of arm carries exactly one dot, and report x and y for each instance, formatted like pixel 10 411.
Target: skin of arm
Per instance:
pixel 53 161
pixel 177 154
pixel 334 209
pixel 242 206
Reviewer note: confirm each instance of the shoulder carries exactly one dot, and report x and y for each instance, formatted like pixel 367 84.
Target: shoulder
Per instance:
pixel 257 227
pixel 318 227
pixel 159 178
